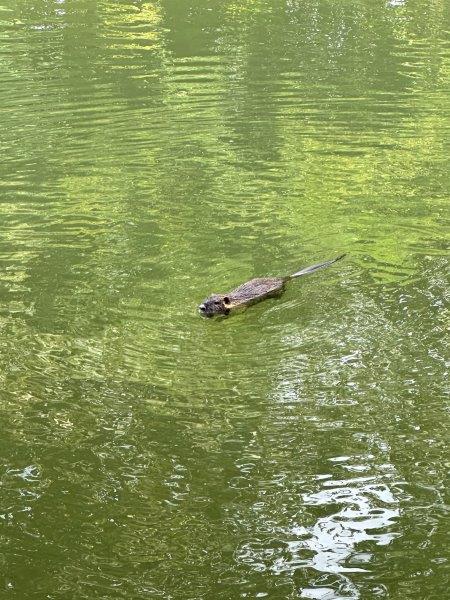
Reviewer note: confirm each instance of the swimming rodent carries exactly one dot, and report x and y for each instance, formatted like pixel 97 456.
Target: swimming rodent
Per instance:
pixel 254 291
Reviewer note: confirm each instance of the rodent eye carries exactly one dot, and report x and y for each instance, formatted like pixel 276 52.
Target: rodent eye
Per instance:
pixel 217 302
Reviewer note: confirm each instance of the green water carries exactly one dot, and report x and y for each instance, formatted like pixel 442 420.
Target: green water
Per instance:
pixel 152 153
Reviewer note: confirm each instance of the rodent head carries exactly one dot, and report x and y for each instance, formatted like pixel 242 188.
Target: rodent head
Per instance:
pixel 215 305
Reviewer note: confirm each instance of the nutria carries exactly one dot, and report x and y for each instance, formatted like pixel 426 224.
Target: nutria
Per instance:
pixel 254 291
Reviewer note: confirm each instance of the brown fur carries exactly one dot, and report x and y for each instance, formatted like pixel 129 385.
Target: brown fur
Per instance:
pixel 253 291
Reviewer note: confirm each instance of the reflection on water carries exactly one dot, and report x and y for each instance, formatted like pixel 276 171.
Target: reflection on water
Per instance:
pixel 332 531
pixel 334 537
pixel 155 152
pixel 367 507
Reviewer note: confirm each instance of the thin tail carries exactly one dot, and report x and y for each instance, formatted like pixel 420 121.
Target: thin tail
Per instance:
pixel 313 268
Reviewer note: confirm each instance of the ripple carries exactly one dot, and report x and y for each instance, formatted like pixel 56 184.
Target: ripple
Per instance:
pixel 154 153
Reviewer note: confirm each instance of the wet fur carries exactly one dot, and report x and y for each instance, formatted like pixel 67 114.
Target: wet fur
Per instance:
pixel 253 291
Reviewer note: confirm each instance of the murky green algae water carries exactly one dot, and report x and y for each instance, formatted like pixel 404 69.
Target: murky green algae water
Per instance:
pixel 153 153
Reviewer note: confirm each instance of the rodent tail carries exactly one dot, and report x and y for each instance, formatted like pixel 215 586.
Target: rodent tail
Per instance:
pixel 313 268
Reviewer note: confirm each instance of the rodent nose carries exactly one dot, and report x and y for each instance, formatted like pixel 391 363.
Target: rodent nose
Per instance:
pixel 202 307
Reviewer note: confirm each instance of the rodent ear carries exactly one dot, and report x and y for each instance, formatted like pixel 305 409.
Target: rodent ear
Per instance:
pixel 226 300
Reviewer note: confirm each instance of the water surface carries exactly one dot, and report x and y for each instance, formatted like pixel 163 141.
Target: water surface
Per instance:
pixel 154 152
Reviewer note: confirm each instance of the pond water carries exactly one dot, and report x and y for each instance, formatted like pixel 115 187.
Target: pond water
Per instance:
pixel 155 152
